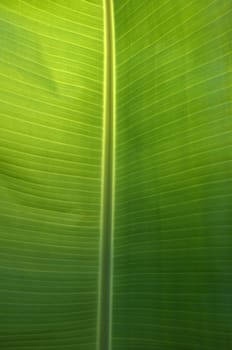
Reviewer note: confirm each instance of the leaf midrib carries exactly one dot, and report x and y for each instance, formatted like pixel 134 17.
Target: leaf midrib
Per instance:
pixel 106 244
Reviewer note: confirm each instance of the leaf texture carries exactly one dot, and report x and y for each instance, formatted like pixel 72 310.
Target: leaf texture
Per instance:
pixel 172 260
pixel 166 176
pixel 51 69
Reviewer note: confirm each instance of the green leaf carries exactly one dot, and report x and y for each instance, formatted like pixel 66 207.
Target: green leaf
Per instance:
pixel 172 281
pixel 115 175
pixel 51 69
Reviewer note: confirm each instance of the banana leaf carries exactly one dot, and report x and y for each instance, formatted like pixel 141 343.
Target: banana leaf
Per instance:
pixel 115 175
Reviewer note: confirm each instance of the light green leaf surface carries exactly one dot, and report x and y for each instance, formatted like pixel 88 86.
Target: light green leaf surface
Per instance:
pixel 169 287
pixel 51 69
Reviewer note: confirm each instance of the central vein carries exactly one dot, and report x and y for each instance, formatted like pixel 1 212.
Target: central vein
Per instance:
pixel 105 292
